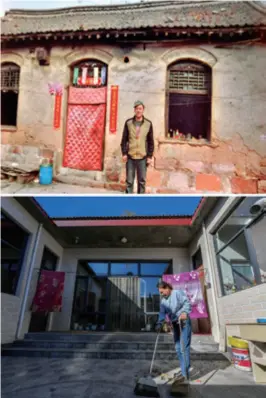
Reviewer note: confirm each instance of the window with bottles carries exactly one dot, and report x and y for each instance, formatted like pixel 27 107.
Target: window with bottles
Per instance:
pixel 90 73
pixel 189 101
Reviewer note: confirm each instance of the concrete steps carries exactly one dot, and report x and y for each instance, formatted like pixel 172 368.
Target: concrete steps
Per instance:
pixel 106 346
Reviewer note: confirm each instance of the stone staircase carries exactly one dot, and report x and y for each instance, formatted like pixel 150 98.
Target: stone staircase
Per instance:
pixel 108 346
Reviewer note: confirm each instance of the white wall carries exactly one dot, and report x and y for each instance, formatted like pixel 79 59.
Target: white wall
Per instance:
pixel 48 241
pixel 61 321
pixel 240 307
pixel 11 304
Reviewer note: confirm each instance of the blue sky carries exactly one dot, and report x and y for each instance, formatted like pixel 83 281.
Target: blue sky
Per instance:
pixel 41 4
pixel 101 206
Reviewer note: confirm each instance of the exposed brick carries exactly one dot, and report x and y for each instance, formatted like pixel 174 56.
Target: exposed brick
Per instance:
pixel 194 166
pixel 178 181
pixel 112 175
pixel 253 165
pixel 242 185
pixel 123 176
pixel 200 153
pixel 169 164
pixel 224 168
pixel 154 178
pixel 262 186
pixel 208 182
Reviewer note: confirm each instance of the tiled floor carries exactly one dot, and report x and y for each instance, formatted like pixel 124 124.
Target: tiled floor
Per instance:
pixel 78 378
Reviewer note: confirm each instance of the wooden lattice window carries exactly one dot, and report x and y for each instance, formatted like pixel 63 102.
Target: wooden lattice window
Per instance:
pixel 189 101
pixel 10 76
pixel 89 73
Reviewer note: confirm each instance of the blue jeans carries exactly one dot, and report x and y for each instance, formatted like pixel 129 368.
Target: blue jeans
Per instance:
pixel 139 165
pixel 186 336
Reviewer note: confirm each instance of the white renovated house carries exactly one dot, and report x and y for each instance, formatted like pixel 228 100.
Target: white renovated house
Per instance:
pixel 111 265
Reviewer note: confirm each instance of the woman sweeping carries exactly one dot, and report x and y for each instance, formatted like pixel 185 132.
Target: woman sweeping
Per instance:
pixel 176 306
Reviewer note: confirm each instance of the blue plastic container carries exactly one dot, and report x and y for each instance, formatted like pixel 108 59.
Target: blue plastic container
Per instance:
pixel 261 320
pixel 46 174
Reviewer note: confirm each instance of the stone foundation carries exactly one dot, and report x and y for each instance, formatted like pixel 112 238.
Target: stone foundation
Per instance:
pixel 178 167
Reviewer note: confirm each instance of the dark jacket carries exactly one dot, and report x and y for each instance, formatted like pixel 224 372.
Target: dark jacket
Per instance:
pixel 138 148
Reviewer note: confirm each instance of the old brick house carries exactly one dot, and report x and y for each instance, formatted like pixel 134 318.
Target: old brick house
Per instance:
pixel 200 68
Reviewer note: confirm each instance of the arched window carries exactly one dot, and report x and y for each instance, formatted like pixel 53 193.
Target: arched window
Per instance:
pixel 89 73
pixel 10 74
pixel 189 101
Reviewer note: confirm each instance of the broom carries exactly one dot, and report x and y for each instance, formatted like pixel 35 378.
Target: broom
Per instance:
pixel 146 386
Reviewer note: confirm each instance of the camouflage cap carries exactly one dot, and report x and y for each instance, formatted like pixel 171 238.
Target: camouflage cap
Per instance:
pixel 137 103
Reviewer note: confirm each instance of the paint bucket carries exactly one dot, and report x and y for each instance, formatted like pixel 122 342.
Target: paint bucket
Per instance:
pixel 240 354
pixel 46 173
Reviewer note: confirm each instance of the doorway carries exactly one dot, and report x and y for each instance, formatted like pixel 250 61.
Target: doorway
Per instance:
pixel 201 325
pixel 118 295
pixel 39 320
pixel 86 116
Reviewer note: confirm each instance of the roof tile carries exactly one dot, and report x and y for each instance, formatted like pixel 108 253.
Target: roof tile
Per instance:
pixel 166 14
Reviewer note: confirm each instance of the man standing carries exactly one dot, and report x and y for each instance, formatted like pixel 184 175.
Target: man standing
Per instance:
pixel 137 148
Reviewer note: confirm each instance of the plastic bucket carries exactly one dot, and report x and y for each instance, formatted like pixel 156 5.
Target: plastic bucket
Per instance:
pixel 46 174
pixel 241 359
pixel 240 354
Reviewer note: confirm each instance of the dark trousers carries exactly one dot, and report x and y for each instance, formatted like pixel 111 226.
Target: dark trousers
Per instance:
pixel 139 165
pixel 186 336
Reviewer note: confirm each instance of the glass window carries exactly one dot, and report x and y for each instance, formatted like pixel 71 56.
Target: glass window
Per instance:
pixel 240 248
pixel 257 234
pixel 49 260
pixel 153 268
pixel 189 101
pixel 238 219
pixel 13 244
pixel 98 268
pixel 236 268
pixel 128 269
pixel 149 294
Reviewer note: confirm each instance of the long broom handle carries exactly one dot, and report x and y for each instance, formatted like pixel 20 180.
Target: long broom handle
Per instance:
pixel 154 351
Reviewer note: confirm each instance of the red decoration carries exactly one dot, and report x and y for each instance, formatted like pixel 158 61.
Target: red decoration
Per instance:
pixel 113 109
pixel 57 111
pixel 85 128
pixel 48 296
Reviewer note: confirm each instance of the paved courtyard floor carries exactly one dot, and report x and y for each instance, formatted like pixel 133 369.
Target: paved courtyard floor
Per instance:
pixel 53 189
pixel 80 378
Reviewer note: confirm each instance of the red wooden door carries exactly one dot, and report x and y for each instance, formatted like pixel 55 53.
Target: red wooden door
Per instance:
pixel 85 128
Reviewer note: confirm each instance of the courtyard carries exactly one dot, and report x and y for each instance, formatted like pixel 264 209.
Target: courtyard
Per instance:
pixel 96 378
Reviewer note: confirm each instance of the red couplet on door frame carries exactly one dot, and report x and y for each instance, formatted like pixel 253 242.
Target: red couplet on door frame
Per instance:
pixel 57 111
pixel 113 109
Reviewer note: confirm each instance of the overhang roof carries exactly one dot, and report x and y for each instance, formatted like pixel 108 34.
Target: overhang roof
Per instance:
pixel 161 14
pixel 107 232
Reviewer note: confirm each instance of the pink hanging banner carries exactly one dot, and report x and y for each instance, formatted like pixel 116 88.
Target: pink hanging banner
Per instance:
pixel 48 296
pixel 190 283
